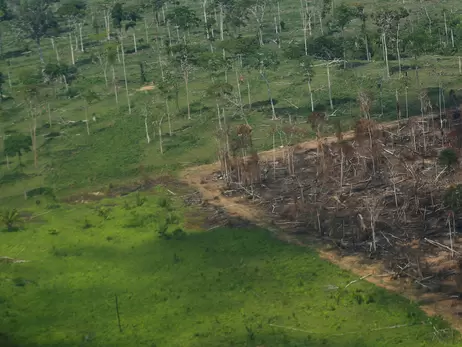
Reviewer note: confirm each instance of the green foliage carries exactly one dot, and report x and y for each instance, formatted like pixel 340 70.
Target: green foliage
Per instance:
pixel 17 144
pixel 447 157
pixel 41 191
pixel 140 200
pixel 103 212
pixel 58 71
pixel 72 9
pixel 9 218
pixel 35 19
pixel 183 17
pixel 453 198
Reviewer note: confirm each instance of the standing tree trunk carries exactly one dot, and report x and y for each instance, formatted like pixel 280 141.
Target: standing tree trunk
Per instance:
pixel 159 128
pixel 186 83
pixel 134 42
pixel 49 114
pixel 263 75
pixel 115 85
pixel 86 118
pixel 329 87
pixel 148 139
pixel 311 94
pixel 81 38
pixel 248 95
pixel 39 46
pixel 398 55
pixel 168 117
pixel 125 76
pixel 207 35
pixel 385 54
pixel 72 49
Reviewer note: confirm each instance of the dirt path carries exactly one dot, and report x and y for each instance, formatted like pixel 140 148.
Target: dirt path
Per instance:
pixel 201 178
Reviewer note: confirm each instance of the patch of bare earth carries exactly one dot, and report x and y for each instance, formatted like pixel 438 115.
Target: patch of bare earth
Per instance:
pixel 370 200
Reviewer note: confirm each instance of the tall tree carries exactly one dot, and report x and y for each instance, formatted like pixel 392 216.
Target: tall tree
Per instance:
pixel 34 19
pixel 74 12
pixel 17 144
pixel 344 14
pixel 183 18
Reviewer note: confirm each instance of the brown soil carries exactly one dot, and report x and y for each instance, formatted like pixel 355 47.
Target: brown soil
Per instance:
pixel 434 302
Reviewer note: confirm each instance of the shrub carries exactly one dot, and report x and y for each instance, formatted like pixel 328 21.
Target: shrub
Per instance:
pixel 103 212
pixel 447 157
pixel 10 218
pixel 453 197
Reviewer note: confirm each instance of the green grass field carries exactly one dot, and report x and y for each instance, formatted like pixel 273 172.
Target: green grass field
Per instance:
pixel 225 287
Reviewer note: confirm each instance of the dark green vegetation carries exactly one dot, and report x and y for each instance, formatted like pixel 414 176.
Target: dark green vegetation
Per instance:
pixel 226 287
pixel 69 122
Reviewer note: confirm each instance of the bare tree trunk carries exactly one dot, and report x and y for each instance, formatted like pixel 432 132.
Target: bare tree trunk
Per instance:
pixel 148 139
pixel 221 22
pixel 168 117
pixel 49 114
pixel 239 90
pixel 397 51
pixel 160 137
pixel 407 103
pixel 330 88
pixel 134 42
pixel 262 73
pixel 81 38
pixel 248 95
pixel 204 4
pixel 146 31
pixel 115 85
pixel 86 119
pixel 125 77
pixel 385 53
pixel 72 49
pixel 186 83
pixel 311 94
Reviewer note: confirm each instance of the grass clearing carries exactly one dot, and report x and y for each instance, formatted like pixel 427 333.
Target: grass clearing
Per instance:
pixel 232 287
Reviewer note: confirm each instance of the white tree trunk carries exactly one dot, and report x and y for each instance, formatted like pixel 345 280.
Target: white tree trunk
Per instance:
pixel 186 83
pixel 49 114
pixel 134 43
pixel 81 38
pixel 168 117
pixel 204 4
pixel 125 76
pixel 330 88
pixel 397 51
pixel 221 22
pixel 146 31
pixel 148 139
pixel 72 49
pixel 160 136
pixel 385 53
pixel 86 119
pixel 115 85
pixel 311 94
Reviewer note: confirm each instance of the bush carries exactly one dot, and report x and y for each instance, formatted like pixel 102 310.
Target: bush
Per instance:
pixel 448 157
pixel 453 198
pixel 10 218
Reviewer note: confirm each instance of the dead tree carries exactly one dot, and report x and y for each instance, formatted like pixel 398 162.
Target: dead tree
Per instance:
pixel 365 103
pixel 374 207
